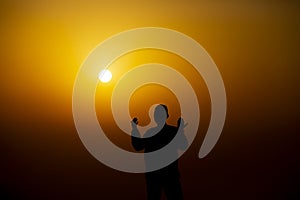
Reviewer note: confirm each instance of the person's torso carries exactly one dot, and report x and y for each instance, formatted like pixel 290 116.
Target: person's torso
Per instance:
pixel 161 139
pixel 158 141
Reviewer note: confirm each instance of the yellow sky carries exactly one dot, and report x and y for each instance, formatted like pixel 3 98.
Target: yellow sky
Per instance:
pixel 44 43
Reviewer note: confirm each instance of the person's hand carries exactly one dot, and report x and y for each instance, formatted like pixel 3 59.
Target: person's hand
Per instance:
pixel 134 122
pixel 180 121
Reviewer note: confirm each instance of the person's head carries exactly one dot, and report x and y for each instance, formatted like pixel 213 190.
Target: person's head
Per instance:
pixel 161 114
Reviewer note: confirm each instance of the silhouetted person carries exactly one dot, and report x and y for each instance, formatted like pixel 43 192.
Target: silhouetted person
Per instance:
pixel 166 179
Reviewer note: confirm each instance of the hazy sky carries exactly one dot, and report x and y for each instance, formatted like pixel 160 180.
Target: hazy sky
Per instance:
pixel 255 45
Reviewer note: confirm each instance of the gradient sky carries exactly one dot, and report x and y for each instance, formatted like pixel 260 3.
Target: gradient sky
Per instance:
pixel 255 45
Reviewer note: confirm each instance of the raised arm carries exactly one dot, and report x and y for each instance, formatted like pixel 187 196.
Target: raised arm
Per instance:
pixel 180 130
pixel 137 142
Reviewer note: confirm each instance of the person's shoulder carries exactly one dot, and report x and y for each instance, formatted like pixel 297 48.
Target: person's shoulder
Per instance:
pixel 170 127
pixel 150 132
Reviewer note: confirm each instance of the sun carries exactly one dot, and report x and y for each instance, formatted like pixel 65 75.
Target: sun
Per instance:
pixel 105 76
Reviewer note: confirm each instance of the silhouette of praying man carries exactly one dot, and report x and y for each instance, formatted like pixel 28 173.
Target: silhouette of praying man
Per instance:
pixel 167 179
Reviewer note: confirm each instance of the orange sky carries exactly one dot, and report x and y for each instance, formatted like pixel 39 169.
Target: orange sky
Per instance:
pixel 43 44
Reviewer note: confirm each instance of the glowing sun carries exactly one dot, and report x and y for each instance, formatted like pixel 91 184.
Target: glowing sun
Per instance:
pixel 105 76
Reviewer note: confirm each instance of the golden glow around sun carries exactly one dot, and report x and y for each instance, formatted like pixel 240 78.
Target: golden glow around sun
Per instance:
pixel 105 76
